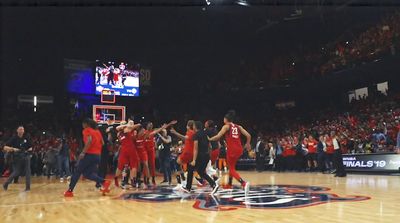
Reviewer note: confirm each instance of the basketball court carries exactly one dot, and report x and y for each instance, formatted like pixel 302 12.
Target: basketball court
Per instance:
pixel 274 197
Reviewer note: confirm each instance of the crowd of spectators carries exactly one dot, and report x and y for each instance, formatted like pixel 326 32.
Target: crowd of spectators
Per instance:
pixel 370 125
pixel 349 50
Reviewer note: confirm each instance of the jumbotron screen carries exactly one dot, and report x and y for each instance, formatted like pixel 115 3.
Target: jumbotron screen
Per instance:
pixel 119 76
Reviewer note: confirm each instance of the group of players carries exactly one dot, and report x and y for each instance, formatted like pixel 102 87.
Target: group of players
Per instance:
pixel 137 152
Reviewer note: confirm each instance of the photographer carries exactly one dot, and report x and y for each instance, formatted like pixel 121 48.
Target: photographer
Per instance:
pixel 21 146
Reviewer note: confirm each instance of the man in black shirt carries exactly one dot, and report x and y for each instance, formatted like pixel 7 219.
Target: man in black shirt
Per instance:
pixel 165 155
pixel 109 135
pixel 21 147
pixel 201 157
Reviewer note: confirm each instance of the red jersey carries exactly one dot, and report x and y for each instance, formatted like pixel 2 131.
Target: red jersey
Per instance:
pixel 126 140
pixel 96 144
pixel 290 151
pixel 140 143
pixel 232 137
pixel 150 142
pixel 329 146
pixel 189 143
pixel 312 146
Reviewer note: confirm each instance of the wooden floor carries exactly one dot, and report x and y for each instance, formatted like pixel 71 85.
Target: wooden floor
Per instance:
pixel 378 201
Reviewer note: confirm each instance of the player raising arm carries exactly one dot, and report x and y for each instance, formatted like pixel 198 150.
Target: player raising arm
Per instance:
pixel 149 144
pixel 232 133
pixel 187 155
pixel 128 154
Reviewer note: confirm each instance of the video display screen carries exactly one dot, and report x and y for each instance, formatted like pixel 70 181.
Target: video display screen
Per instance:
pixel 119 76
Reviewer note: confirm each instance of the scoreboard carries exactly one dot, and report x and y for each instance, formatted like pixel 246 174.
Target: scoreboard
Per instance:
pixel 108 96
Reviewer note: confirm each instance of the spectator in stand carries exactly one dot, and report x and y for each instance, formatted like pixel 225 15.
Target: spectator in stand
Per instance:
pixel 73 145
pixel 321 157
pixel 290 150
pixel 312 153
pixel 279 157
pixel 398 139
pixel 329 153
pixel 50 160
pixel 63 161
pixel 272 156
pixel 260 151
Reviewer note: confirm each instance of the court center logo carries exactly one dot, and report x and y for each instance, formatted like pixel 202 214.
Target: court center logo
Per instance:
pixel 259 197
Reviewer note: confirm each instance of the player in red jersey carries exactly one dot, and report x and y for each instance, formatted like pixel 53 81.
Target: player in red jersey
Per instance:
pixel 142 153
pixel 187 154
pixel 140 138
pixel 89 158
pixel 127 154
pixel 232 133
pixel 150 145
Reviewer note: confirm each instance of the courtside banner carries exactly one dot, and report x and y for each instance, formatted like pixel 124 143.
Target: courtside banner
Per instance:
pixel 372 162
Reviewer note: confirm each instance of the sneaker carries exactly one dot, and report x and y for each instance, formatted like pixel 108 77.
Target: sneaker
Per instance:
pixel 184 189
pixel 68 193
pixel 27 189
pixel 199 182
pixel 227 187
pixel 246 187
pixel 98 186
pixel 177 187
pixel 106 187
pixel 217 180
pixel 184 183
pixel 61 180
pixel 68 178
pixel 340 175
pixel 5 186
pixel 215 189
pixel 163 182
pixel 133 183
pixel 178 179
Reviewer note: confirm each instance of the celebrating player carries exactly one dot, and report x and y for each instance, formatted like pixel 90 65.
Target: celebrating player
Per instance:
pixel 187 155
pixel 127 154
pixel 150 146
pixel 141 136
pixel 232 133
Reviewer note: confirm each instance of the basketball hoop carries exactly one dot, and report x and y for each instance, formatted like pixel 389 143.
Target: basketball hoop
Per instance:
pixel 103 113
